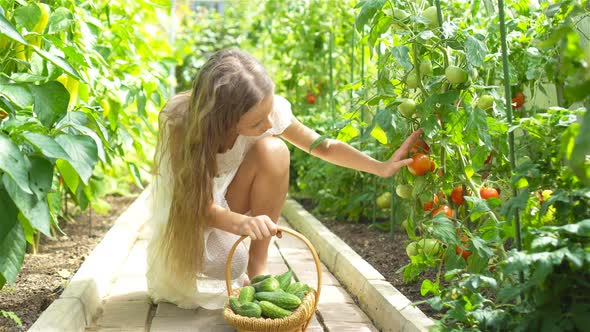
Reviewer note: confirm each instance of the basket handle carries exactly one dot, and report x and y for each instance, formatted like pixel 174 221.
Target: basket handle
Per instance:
pixel 286 230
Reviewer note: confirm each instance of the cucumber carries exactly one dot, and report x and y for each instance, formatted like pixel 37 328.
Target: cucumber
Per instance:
pixel 234 304
pixel 283 300
pixel 297 286
pixel 285 279
pixel 300 294
pixel 259 278
pixel 250 310
pixel 246 294
pixel 269 284
pixel 270 310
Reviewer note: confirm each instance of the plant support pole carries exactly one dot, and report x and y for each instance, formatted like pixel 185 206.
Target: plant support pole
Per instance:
pixel 509 114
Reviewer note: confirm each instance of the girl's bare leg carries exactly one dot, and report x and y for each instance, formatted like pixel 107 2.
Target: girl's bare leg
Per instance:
pixel 260 186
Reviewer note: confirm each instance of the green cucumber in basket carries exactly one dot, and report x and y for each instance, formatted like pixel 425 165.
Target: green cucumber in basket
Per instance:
pixel 285 279
pixel 246 294
pixel 270 310
pixel 298 286
pixel 269 284
pixel 250 310
pixel 259 278
pixel 283 300
pixel 234 304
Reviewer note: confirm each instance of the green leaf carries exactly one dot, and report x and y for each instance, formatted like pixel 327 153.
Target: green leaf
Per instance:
pixel 443 229
pixel 17 94
pixel 481 248
pixel 68 174
pixel 12 239
pixel 379 134
pixel 46 145
pixel 13 163
pixel 51 102
pixel 476 51
pixel 59 20
pixel 367 12
pixel 429 287
pixel 402 55
pixel 27 16
pixel 477 206
pixel 7 29
pixel 83 153
pixel 141 102
pixel 60 62
pixel 578 161
pixel 135 173
pixel 35 210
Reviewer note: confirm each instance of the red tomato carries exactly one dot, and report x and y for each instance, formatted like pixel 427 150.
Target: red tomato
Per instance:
pixel 462 250
pixel 447 210
pixel 421 164
pixel 432 166
pixel 486 193
pixel 310 98
pixel 420 146
pixel 457 195
pixel 518 100
pixel 431 204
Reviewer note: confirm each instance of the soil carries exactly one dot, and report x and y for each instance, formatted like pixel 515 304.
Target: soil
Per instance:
pixel 385 254
pixel 45 274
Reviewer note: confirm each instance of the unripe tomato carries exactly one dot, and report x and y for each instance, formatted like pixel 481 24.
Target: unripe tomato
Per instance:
pixel 400 14
pixel 518 100
pixel 407 107
pixel 404 190
pixel 457 195
pixel 421 164
pixel 310 98
pixel 384 200
pixel 412 80
pixel 411 249
pixel 486 193
pixel 426 67
pixel 456 75
pixel 431 204
pixel 485 102
pixel 444 209
pixel 430 14
pixel 430 247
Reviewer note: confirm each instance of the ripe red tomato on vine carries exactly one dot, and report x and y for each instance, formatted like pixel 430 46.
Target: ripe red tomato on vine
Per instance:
pixel 310 98
pixel 431 204
pixel 462 250
pixel 487 193
pixel 457 195
pixel 443 209
pixel 518 100
pixel 421 164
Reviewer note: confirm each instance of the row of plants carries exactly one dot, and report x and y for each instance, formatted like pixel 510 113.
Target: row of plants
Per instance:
pixel 503 160
pixel 80 87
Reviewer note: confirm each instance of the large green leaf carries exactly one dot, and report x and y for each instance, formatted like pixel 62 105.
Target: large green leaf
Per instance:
pixel 367 12
pixel 7 29
pixel 12 239
pixel 476 51
pixel 69 174
pixel 27 16
pixel 51 102
pixel 13 163
pixel 17 94
pixel 581 151
pixel 60 19
pixel 60 62
pixel 35 210
pixel 46 145
pixel 83 153
pixel 41 176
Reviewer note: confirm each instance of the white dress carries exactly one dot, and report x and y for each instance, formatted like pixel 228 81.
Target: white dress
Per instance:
pixel 209 291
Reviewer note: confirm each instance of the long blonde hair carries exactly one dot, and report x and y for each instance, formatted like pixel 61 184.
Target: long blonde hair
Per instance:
pixel 229 84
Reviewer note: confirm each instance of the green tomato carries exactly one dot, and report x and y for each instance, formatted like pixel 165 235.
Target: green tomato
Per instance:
pixel 407 107
pixel 412 80
pixel 384 200
pixel 404 190
pixel 485 102
pixel 412 249
pixel 430 247
pixel 431 15
pixel 456 75
pixel 400 14
pixel 426 67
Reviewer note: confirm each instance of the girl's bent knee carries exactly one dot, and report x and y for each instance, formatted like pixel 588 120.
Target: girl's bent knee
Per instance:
pixel 273 155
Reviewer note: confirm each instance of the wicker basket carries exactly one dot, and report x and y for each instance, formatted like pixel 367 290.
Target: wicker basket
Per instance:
pixel 296 322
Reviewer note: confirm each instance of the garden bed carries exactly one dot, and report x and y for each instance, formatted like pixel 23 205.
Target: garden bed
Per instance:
pixel 45 275
pixel 385 254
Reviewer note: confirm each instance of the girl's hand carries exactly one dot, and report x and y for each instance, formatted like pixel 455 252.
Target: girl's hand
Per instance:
pixel 258 227
pixel 398 160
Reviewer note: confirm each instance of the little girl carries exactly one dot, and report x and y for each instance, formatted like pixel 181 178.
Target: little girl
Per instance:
pixel 221 172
